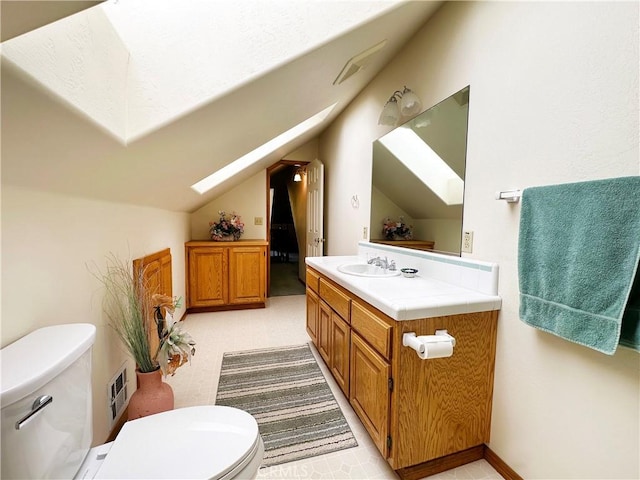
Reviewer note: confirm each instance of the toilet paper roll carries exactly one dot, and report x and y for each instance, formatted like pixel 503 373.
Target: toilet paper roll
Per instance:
pixel 435 349
pixel 429 346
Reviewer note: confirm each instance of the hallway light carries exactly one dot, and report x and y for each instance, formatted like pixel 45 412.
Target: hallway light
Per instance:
pixel 297 177
pixel 401 104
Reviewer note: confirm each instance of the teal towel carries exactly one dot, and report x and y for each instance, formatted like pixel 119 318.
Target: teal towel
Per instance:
pixel 578 256
pixel 630 335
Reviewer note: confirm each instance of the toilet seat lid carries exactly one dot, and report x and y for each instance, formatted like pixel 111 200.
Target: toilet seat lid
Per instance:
pixel 193 442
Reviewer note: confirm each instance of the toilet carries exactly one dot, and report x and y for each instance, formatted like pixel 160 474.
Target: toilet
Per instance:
pixel 46 408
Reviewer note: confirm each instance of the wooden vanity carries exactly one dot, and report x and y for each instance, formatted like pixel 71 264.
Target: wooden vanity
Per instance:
pixel 424 416
pixel 225 275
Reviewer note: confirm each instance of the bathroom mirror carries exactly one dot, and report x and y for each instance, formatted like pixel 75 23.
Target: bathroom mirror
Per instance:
pixel 418 179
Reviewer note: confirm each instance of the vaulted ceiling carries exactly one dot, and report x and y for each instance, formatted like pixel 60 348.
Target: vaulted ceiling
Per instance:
pixel 134 106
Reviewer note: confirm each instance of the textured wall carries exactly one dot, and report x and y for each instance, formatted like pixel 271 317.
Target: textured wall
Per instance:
pixel 248 199
pixel 554 99
pixel 50 242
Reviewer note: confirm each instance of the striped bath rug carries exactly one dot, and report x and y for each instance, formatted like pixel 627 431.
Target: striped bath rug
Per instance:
pixel 284 389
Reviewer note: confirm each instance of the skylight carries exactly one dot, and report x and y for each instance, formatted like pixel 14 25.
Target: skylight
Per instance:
pixel 259 153
pixel 426 164
pixel 132 67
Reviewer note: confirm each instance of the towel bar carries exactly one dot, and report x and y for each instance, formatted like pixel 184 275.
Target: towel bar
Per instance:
pixel 511 196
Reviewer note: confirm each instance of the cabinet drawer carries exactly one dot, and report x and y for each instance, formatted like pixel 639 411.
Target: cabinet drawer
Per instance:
pixel 335 298
pixel 313 280
pixel 372 329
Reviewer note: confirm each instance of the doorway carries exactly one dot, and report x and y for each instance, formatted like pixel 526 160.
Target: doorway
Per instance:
pixel 286 223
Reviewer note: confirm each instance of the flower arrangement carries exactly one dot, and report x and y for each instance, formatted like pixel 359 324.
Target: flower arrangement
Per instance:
pixel 227 227
pixel 128 307
pixel 399 230
pixel 176 346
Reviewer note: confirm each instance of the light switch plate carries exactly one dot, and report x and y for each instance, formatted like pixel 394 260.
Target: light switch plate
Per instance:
pixel 467 241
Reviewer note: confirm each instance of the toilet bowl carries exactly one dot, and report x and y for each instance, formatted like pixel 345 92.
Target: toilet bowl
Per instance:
pixel 46 421
pixel 194 442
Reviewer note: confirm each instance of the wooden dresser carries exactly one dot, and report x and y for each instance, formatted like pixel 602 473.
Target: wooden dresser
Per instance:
pixel 414 244
pixel 226 275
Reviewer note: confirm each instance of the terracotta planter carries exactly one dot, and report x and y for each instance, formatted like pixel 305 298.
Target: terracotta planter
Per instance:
pixel 152 395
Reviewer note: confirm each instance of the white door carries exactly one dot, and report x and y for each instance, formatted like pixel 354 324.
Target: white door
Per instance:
pixel 315 199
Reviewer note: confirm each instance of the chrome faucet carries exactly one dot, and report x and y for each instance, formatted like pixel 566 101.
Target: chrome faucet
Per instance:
pixel 382 263
pixel 374 261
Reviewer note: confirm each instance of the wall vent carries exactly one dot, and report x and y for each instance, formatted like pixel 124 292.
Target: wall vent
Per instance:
pixel 357 63
pixel 118 394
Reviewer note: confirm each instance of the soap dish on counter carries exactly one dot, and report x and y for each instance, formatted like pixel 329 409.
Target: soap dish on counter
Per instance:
pixel 409 272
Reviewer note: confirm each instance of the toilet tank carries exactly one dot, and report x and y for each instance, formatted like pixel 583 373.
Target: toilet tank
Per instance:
pixel 50 367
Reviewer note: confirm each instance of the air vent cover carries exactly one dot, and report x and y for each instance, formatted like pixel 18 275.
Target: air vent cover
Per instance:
pixel 118 394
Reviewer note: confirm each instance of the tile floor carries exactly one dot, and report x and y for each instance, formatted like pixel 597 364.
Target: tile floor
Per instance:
pixel 283 323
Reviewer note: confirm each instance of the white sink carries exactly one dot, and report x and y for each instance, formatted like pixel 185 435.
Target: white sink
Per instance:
pixel 366 270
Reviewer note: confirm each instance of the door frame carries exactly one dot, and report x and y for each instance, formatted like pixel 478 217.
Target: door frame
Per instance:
pixel 270 170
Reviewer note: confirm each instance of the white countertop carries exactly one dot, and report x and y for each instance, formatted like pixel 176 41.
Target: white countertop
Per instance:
pixel 406 298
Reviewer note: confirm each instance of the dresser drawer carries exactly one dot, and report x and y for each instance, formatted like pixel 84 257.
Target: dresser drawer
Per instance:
pixel 313 280
pixel 335 298
pixel 372 328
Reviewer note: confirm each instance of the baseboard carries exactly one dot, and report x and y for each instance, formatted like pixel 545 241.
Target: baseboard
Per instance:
pixel 441 464
pixel 224 308
pixel 499 465
pixel 458 459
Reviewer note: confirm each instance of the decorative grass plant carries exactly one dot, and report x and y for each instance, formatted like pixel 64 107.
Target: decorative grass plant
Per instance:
pixel 125 306
pixel 128 306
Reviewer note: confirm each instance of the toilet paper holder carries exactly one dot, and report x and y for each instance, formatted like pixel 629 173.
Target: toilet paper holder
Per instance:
pixel 420 344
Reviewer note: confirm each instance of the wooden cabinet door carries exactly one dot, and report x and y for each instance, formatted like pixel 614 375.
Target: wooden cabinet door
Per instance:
pixel 208 276
pixel 340 346
pixel 247 275
pixel 312 315
pixel 155 270
pixel 324 332
pixel 369 391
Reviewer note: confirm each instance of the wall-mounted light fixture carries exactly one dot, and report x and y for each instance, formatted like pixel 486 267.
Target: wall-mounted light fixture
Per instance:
pixel 297 177
pixel 401 104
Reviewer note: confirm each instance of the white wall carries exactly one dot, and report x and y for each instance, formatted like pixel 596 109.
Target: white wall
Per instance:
pixel 249 200
pixel 49 242
pixel 444 232
pixel 554 98
pixel 382 207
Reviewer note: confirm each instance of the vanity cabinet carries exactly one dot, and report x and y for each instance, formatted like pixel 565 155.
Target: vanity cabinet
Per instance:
pixel 416 411
pixel 340 347
pixel 313 306
pixel 370 395
pixel 222 276
pixel 328 308
pixel 324 332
